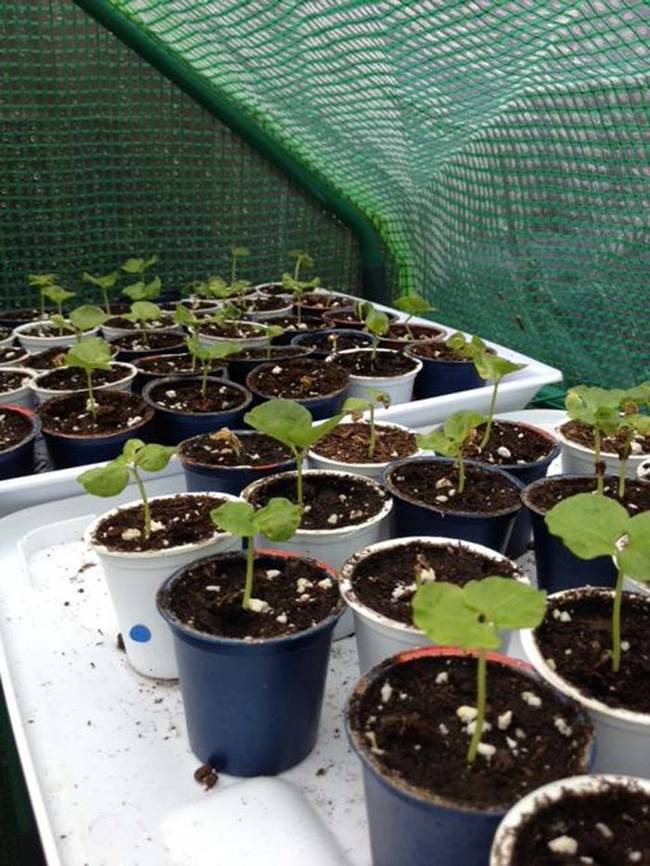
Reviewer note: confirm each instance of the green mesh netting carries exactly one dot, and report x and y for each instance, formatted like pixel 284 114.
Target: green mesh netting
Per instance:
pixel 102 158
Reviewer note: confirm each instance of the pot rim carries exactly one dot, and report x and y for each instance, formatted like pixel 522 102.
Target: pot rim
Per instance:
pixel 405 788
pixel 393 317
pixel 20 331
pixel 191 463
pixel 346 585
pixel 172 620
pixel 221 365
pixel 23 371
pixel 409 351
pixel 338 530
pixel 255 325
pixel 167 552
pixel 477 515
pixel 534 654
pixel 147 351
pixel 357 377
pixel 147 416
pixel 427 326
pixel 545 434
pixel 304 401
pixel 19 360
pixel 57 392
pixel 351 467
pixel 256 362
pixel 297 339
pixel 34 420
pixel 583 449
pixel 534 485
pixel 520 813
pixel 246 396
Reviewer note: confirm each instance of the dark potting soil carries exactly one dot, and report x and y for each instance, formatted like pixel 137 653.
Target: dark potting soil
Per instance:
pixel 385 580
pixel 386 363
pixel 116 411
pixel 224 448
pixel 49 359
pixel 152 325
pixel 304 326
pixel 272 289
pixel 554 490
pixel 261 354
pixel 159 340
pixel 410 721
pixel 11 354
pixel 436 484
pixel 610 827
pixel 170 365
pixel 437 351
pixel 336 342
pixel 583 434
pixel 185 396
pixel 46 329
pixel 14 427
pixel 299 379
pixel 175 521
pixel 291 595
pixel 509 444
pixel 232 330
pixel 414 333
pixel 4 333
pixel 10 381
pixel 74 379
pixel 330 502
pixel 24 315
pixel 577 635
pixel 261 304
pixel 348 443
pixel 322 301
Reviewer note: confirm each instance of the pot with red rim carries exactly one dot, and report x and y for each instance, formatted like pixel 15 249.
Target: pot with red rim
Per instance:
pixel 304 381
pixel 443 371
pixel 252 704
pixel 19 427
pixel 430 509
pixel 411 823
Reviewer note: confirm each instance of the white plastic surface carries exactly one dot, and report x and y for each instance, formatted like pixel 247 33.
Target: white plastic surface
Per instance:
pixel 398 388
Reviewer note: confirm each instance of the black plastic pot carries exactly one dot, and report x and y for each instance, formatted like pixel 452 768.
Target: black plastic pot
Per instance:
pixel 557 567
pixel 418 518
pixel 19 459
pixel 252 707
pixel 442 377
pixel 171 426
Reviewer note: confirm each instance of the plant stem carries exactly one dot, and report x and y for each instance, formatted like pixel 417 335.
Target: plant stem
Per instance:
pixel 107 306
pixel 375 344
pixel 298 455
pixel 299 308
pixel 600 481
pixel 91 397
pixel 145 503
pixel 481 678
pixel 204 380
pixel 406 325
pixel 250 562
pixel 627 447
pixel 490 418
pixel 616 622
pixel 461 473
pixel 143 332
pixel 296 270
pixel 373 433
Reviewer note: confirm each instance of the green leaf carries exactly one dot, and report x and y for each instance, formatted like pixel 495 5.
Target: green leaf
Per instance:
pixel 506 602
pixel 107 281
pixel 640 394
pixel 236 518
pixel 588 525
pixel 439 609
pixel 109 480
pixel 273 331
pixel 357 405
pixel 138 266
pixel 437 441
pixel 184 316
pixel 289 423
pixel 596 407
pixel 153 458
pixel 60 322
pixel 214 352
pixel 40 281
pixel 92 354
pixel 377 322
pixel 239 252
pixel 492 366
pixel 456 432
pixel 87 317
pixel 413 305
pixel 131 449
pixel 278 520
pixel 57 294
pixel 143 311
pixel 634 558
pixel 459 425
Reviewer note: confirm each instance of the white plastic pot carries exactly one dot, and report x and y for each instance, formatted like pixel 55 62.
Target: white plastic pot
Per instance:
pixel 122 384
pixel 515 820
pixel 133 580
pixel 622 736
pixel 332 546
pixel 21 357
pixel 378 637
pixel 251 342
pixel 33 343
pixel 7 341
pixel 580 460
pixel 269 315
pixel 368 470
pixel 398 388
pixel 23 396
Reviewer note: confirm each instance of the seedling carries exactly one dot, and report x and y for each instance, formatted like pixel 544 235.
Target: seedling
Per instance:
pixel 357 407
pixel 93 354
pixel 206 356
pixel 185 317
pixel 219 288
pixel 58 295
pixel 84 318
pixel 277 520
pixel 141 313
pixel 41 282
pixel 272 331
pixel 592 526
pixel 292 425
pixel 104 283
pixel 492 366
pixel 111 480
pixel 377 323
pixel 632 423
pixel 294 284
pixel 469 349
pixel 141 290
pixel 457 432
pixel 470 617
pixel 599 409
pixel 412 305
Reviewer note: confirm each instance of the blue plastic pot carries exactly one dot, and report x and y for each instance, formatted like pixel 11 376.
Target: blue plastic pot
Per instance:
pixel 172 426
pixel 239 369
pixel 413 517
pixel 19 459
pixel 144 377
pixel 410 827
pixel 226 479
pixel 557 567
pixel 252 707
pixel 443 377
pixel 320 407
pixel 362 339
pixel 74 449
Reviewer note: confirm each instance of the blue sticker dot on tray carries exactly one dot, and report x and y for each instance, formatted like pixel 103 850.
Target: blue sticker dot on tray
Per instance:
pixel 140 633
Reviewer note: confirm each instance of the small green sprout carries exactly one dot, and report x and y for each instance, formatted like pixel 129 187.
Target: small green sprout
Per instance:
pixel 412 305
pixel 492 366
pixel 292 282
pixel 141 313
pixel 104 283
pixel 185 317
pixel 58 295
pixel 111 480
pixel 41 282
pixel 469 349
pixel 206 356
pixel 292 425
pixel 357 406
pixel 138 267
pixel 457 432
pixel 272 331
pixel 277 520
pixel 237 287
pixel 378 324
pixel 93 354
pixel 471 617
pixel 141 290
pixel 600 409
pixel 592 526
pixel 85 318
